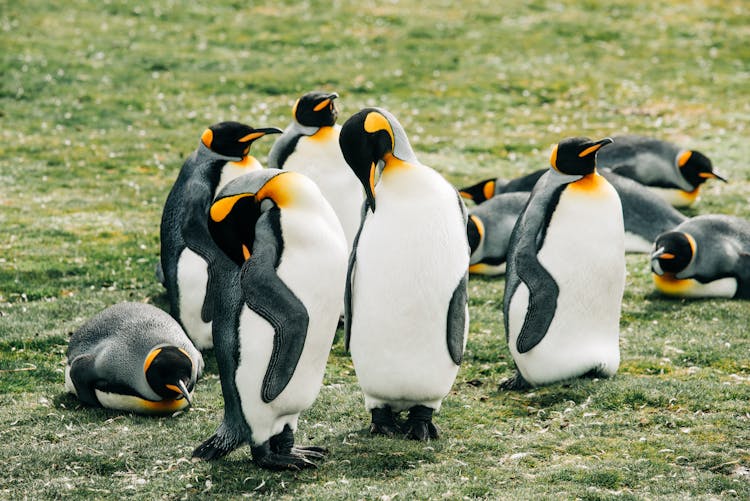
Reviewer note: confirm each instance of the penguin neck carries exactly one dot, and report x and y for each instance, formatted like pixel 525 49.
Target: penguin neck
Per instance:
pixel 590 183
pixel 392 163
pixel 325 133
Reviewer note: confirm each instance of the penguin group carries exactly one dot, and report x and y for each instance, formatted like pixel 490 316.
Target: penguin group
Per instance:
pixel 259 262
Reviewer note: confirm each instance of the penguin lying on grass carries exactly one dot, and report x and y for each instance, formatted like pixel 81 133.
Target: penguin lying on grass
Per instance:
pixel 671 172
pixel 645 216
pixel 310 145
pixel 132 357
pixel 190 261
pixel 566 273
pixel 406 300
pixel 674 173
pixel 275 322
pixel 706 256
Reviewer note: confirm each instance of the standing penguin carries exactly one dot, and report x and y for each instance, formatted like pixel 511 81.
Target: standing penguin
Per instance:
pixel 310 145
pixel 191 263
pixel 132 357
pixel 674 173
pixel 406 300
pixel 566 273
pixel 706 256
pixel 275 324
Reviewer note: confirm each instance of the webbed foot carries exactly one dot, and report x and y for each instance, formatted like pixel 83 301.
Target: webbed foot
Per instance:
pixel 292 460
pixel 384 422
pixel 419 424
pixel 515 383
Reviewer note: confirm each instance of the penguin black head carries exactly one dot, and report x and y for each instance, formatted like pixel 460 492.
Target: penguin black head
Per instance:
pixel 233 139
pixel 169 372
pixel 673 252
pixel 316 109
pixel 696 168
pixel 480 192
pixel 576 155
pixel 365 139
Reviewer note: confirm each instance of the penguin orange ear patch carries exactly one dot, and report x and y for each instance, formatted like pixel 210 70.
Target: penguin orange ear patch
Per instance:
pixel 683 159
pixel 553 158
pixel 489 189
pixel 375 122
pixel 207 137
pixel 222 207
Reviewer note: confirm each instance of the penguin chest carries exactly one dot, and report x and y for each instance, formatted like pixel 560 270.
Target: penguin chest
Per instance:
pixel 233 170
pixel 321 160
pixel 313 267
pixel 583 251
pixel 411 256
pixel 669 285
pixel 677 197
pixel 192 280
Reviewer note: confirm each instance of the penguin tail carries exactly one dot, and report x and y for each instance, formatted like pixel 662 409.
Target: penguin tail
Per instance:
pixel 217 446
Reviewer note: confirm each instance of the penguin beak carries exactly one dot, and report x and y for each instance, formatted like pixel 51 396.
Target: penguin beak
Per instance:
pixel 660 254
pixel 370 187
pixel 713 175
pixel 260 133
pixel 182 390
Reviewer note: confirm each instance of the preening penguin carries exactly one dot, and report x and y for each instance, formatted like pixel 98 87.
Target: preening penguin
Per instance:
pixel 674 173
pixel 406 300
pixel 190 261
pixel 274 326
pixel 310 145
pixel 566 273
pixel 706 256
pixel 489 228
pixel 132 357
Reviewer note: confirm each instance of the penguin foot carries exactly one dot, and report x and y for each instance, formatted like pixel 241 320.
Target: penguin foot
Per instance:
pixel 293 460
pixel 310 451
pixel 214 448
pixel 384 422
pixel 419 424
pixel 515 383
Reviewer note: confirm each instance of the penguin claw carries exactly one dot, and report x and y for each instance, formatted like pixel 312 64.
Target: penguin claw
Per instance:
pixel 210 450
pixel 310 452
pixel 384 422
pixel 422 431
pixel 279 462
pixel 514 383
pixel 384 429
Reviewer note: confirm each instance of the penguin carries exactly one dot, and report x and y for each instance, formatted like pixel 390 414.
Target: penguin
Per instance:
pixel 310 145
pixel 275 325
pixel 406 309
pixel 645 214
pixel 132 357
pixel 488 188
pixel 674 173
pixel 706 256
pixel 488 229
pixel 190 261
pixel 566 273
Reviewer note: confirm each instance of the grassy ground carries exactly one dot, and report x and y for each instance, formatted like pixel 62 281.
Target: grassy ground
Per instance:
pixel 100 103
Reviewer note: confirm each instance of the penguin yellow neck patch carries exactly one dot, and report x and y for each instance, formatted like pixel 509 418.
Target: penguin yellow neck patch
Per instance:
pixel 590 183
pixel 323 134
pixel 672 286
pixel 282 189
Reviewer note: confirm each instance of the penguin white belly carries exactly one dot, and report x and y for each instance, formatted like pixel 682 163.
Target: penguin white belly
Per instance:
pixel 584 252
pixel 69 386
pixel 676 197
pixel 411 256
pixel 689 287
pixel 192 277
pixel 636 243
pixel 233 170
pixel 323 162
pixel 315 270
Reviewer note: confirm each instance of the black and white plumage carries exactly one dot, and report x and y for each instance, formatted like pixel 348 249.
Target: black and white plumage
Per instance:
pixel 191 264
pixel 705 256
pixel 132 357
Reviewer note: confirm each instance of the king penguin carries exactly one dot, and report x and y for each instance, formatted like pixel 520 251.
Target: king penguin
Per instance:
pixel 310 145
pixel 566 273
pixel 132 357
pixel 706 256
pixel 406 300
pixel 191 263
pixel 275 325
pixel 674 173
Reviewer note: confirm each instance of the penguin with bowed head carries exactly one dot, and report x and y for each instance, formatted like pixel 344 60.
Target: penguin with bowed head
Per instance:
pixel 275 324
pixel 406 315
pixel 674 173
pixel 566 273
pixel 132 357
pixel 192 265
pixel 310 145
pixel 706 256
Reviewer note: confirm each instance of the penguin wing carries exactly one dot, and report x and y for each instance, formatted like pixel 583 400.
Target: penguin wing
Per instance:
pixel 84 377
pixel 198 238
pixel 283 147
pixel 267 295
pixel 524 266
pixel 457 319
pixel 743 277
pixel 350 272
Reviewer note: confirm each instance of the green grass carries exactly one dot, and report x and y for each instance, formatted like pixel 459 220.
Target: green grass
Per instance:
pixel 101 102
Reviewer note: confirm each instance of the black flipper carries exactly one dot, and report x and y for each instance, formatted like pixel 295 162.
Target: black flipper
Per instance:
pixel 524 266
pixel 267 295
pixel 84 379
pixel 457 319
pixel 743 277
pixel 350 278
